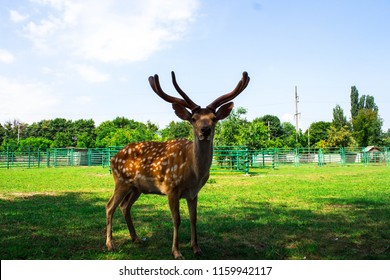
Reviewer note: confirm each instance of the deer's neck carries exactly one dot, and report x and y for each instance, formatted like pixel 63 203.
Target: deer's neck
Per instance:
pixel 202 157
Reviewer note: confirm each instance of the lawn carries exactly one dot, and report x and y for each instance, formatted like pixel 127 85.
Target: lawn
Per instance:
pixel 301 212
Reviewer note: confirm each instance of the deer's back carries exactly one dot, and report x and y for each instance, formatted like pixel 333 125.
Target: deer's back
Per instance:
pixel 153 167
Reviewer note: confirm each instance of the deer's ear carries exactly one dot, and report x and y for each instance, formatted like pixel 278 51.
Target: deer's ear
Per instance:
pixel 181 112
pixel 224 111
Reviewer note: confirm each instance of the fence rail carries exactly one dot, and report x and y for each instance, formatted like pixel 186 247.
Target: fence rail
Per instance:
pixel 226 158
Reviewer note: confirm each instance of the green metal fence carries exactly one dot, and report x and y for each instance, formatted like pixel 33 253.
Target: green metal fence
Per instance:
pixel 231 158
pixel 226 158
pixel 28 158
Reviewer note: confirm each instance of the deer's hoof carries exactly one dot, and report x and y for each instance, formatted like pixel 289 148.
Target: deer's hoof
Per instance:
pixel 110 246
pixel 139 240
pixel 177 255
pixel 197 252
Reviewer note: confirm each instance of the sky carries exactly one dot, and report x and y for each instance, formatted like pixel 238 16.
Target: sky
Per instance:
pixel 91 59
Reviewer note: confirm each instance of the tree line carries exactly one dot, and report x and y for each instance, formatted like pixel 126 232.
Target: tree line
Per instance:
pixel 363 128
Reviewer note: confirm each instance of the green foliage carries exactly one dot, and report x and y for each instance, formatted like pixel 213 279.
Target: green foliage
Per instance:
pixel 63 139
pixel 354 101
pixel 289 135
pixel 339 119
pixel 232 130
pixel 257 135
pixel 122 131
pixel 340 137
pixel 386 138
pixel 318 132
pixel 366 123
pixel 367 127
pixel 175 130
pixel 2 133
pixel 273 125
pixel 35 143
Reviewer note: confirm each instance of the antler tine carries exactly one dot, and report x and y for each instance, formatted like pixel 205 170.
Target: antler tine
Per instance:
pixel 193 105
pixel 242 84
pixel 155 84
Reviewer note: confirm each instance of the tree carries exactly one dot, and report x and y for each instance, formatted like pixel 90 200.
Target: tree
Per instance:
pixel 367 128
pixel 340 137
pixel 318 131
pixel 85 140
pixel 366 123
pixel 35 143
pixel 274 126
pixel 232 130
pixel 257 135
pixel 122 131
pixel 2 134
pixel 84 133
pixel 354 102
pixel 339 119
pixel 41 129
pixel 386 138
pixel 63 139
pixel 175 130
pixel 289 135
pixel 14 131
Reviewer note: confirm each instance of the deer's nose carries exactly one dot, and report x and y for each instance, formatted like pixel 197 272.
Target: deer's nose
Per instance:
pixel 206 131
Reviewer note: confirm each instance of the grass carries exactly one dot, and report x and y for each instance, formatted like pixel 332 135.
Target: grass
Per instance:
pixel 288 213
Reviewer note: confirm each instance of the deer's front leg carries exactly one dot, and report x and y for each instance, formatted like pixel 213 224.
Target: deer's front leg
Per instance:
pixel 174 206
pixel 192 209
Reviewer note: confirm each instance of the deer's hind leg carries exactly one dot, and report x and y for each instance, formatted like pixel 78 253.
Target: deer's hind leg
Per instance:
pixel 121 191
pixel 125 205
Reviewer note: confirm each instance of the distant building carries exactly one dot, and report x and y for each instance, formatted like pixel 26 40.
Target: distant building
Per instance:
pixel 372 153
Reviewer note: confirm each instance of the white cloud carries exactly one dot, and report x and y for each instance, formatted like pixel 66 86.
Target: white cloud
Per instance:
pixel 90 74
pixel 17 17
pixel 25 100
pixel 6 56
pixel 108 30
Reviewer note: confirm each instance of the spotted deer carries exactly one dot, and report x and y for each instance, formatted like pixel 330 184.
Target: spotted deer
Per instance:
pixel 177 168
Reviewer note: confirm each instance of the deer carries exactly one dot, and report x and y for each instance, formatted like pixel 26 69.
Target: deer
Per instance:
pixel 177 168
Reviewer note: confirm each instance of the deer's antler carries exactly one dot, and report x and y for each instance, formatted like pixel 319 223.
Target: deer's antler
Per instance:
pixel 186 102
pixel 242 84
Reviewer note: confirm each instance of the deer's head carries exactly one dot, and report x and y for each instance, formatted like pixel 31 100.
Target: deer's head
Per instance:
pixel 203 120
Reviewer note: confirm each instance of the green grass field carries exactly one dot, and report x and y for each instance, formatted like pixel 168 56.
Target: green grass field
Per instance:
pixel 288 213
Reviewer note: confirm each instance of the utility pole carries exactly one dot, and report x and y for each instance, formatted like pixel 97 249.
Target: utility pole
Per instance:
pixel 296 112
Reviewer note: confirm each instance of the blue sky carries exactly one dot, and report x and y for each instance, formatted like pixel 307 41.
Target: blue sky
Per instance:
pixel 91 58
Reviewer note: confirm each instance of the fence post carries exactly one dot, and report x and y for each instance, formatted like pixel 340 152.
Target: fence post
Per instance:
pixel 89 157
pixel 263 157
pixel 365 157
pixel 343 156
pixel 7 156
pixel 296 157
pixel 28 157
pixel 39 157
pixel 319 157
pixel 70 157
pixel 246 160
pixel 273 158
pixel 47 157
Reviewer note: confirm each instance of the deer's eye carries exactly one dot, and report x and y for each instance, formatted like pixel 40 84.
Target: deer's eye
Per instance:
pixel 193 119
